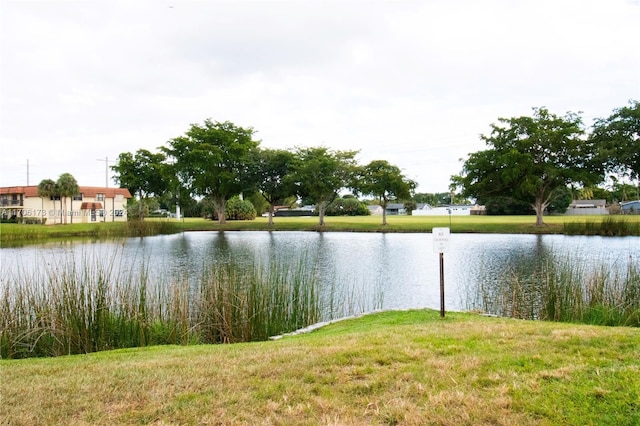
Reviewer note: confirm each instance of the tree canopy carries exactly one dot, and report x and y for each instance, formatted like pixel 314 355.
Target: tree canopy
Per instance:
pixel 67 186
pixel 47 188
pixel 385 182
pixel 141 173
pixel 530 159
pixel 618 139
pixel 213 160
pixel 273 171
pixel 321 173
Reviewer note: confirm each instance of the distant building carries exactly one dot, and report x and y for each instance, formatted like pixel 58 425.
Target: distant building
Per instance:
pixel 395 209
pixel 630 207
pixel 91 204
pixel 284 211
pixel 457 210
pixel 375 209
pixel 578 207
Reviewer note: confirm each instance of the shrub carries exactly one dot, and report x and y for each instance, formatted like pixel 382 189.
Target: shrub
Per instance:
pixel 347 207
pixel 237 209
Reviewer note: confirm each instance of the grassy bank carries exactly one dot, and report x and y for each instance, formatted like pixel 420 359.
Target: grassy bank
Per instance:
pixel 409 368
pixel 587 225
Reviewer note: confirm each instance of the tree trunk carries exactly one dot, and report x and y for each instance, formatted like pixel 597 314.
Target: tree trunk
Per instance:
pixel 384 212
pixel 322 208
pixel 64 211
pixel 219 205
pixel 271 214
pixel 539 206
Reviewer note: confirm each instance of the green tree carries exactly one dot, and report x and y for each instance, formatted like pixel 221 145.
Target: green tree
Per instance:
pixel 321 173
pixel 498 205
pixel 259 203
pixel 213 160
pixel 144 174
pixel 138 209
pixel 410 206
pixel 618 140
pixel 624 192
pixel 273 171
pixel 47 189
pixel 67 187
pixel 561 200
pixel 529 159
pixel 385 182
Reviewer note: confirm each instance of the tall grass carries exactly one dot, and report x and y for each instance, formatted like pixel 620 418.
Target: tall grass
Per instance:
pixel 609 226
pixel 15 234
pixel 566 290
pixel 95 304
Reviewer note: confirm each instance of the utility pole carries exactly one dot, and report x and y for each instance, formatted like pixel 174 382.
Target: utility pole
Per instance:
pixel 27 172
pixel 106 170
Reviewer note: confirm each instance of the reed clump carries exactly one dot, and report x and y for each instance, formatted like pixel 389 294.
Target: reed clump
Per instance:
pixel 609 226
pixel 566 291
pixel 92 304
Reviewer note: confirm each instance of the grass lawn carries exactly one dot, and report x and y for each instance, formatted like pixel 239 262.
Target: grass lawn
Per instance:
pixel 472 224
pixel 10 233
pixel 508 224
pixel 407 367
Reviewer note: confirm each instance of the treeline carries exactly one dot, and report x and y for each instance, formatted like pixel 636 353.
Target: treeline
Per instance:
pixel 541 162
pixel 217 162
pixel 532 164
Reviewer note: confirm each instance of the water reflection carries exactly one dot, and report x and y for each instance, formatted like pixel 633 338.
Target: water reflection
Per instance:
pixel 374 270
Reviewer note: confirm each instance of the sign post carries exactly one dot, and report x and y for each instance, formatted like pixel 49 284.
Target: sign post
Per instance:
pixel 441 246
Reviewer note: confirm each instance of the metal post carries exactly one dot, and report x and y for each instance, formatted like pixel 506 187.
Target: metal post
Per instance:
pixel 442 285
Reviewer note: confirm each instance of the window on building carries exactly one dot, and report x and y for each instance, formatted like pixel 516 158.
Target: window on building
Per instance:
pixel 77 197
pixel 99 197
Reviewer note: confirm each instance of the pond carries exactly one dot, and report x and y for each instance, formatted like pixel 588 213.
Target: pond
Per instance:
pixel 370 270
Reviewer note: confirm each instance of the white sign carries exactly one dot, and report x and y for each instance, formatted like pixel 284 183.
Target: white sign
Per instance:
pixel 440 240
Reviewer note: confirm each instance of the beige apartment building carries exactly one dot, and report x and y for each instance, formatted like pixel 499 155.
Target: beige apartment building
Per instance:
pixel 91 204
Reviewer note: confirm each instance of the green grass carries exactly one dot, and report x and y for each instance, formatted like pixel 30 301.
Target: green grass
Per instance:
pixel 15 234
pixel 18 234
pixel 392 368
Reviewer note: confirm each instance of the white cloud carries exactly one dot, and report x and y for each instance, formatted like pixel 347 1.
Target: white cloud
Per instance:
pixel 412 82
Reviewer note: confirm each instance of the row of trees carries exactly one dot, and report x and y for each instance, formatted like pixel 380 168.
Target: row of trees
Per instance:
pixel 534 160
pixel 65 187
pixel 217 161
pixel 537 162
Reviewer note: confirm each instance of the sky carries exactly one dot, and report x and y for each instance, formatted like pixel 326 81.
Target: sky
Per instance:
pixel 412 82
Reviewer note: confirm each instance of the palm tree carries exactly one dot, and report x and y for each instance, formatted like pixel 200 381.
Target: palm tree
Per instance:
pixel 47 188
pixel 67 187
